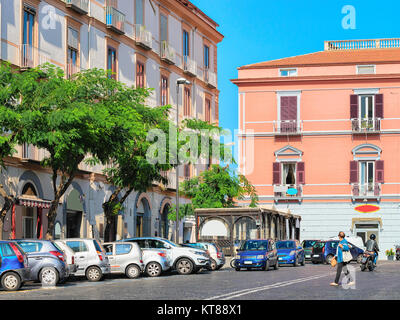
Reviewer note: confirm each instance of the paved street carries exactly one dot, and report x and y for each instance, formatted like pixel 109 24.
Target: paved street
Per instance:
pixel 308 282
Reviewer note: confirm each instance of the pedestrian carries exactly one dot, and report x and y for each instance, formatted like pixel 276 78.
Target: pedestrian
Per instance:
pixel 343 245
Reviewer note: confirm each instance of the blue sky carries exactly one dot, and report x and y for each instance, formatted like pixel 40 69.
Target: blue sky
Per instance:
pixel 264 30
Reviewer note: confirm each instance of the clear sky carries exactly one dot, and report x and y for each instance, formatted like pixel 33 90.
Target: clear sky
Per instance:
pixel 264 30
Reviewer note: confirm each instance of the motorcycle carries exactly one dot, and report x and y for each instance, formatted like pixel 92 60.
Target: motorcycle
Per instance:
pixel 397 252
pixel 367 261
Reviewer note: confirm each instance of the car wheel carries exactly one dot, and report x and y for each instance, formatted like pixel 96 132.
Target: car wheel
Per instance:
pixel 303 262
pixel 295 263
pixel 132 271
pixel 94 274
pixel 213 265
pixel 48 276
pixel 266 268
pixel 276 266
pixel 184 266
pixel 11 281
pixel 329 259
pixel 153 269
pixel 359 258
pixel 233 263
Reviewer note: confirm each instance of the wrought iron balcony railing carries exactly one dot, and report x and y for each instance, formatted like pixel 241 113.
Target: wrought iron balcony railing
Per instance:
pixel 366 190
pixel 292 191
pixel 80 6
pixel 31 57
pixel 115 20
pixel 288 127
pixel 143 37
pixel 189 66
pixel 365 125
pixel 210 78
pixel 167 53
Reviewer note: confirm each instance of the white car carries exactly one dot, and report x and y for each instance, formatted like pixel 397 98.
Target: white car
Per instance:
pixel 69 254
pixel 90 258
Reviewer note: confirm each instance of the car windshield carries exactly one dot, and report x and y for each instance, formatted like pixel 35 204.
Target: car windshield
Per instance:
pixel 285 245
pixel 254 245
pixel 308 243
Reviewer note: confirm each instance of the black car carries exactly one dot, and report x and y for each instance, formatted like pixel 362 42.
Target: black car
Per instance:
pixel 307 246
pixel 317 253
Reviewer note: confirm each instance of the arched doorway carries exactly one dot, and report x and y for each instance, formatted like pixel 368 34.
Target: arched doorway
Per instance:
pixel 245 228
pixel 164 222
pixel 143 217
pixel 29 215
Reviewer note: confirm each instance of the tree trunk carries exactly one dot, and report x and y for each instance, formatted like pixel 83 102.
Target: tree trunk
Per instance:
pixel 9 201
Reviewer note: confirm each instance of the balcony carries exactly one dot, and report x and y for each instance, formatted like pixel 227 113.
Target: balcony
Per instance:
pixel 288 127
pixel 366 190
pixel 143 37
pixel 167 53
pixel 31 57
pixel 210 78
pixel 366 125
pixel 171 176
pixel 79 6
pixel 189 66
pixel 362 44
pixel 115 20
pixel 288 192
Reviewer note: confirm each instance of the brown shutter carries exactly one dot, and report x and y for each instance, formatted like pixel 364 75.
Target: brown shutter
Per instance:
pixel 353 106
pixel 353 172
pixel 300 173
pixel 379 168
pixel 379 106
pixel 276 173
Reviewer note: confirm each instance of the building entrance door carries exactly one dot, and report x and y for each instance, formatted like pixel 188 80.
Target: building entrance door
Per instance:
pixel 364 230
pixel 74 221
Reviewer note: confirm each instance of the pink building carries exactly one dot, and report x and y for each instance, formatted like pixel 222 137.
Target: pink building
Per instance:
pixel 320 135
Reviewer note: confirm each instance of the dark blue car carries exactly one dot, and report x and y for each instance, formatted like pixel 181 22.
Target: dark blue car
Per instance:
pixel 290 252
pixel 14 269
pixel 324 251
pixel 257 254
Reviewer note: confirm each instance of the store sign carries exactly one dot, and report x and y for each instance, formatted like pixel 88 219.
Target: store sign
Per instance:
pixel 367 208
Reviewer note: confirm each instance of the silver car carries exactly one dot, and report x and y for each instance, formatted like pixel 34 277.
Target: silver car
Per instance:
pixel 69 254
pixel 124 258
pixel 156 261
pixel 90 257
pixel 217 257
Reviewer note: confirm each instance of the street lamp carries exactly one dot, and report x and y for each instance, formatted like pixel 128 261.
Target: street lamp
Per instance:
pixel 178 83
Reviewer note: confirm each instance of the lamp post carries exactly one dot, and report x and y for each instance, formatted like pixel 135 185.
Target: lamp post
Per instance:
pixel 178 83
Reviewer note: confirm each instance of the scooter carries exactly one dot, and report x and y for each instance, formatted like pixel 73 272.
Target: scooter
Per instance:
pixel 397 252
pixel 367 261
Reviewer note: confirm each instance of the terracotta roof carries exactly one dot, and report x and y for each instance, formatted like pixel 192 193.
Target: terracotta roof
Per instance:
pixel 328 57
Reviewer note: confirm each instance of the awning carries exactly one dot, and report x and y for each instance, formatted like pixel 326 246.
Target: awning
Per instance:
pixel 34 203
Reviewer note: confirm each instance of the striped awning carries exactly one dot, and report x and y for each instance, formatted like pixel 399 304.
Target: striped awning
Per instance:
pixel 34 203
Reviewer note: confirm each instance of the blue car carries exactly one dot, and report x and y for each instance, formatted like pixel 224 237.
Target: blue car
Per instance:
pixel 257 254
pixel 290 252
pixel 324 251
pixel 14 269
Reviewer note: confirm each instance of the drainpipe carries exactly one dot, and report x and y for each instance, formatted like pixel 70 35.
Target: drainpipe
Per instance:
pixel 89 30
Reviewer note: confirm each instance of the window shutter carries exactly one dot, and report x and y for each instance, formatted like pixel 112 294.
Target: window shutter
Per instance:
pixel 379 106
pixel 379 168
pixel 276 173
pixel 300 173
pixel 353 172
pixel 353 106
pixel 73 40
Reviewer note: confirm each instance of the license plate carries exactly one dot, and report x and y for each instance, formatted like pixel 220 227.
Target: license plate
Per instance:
pixel 248 262
pixel 308 256
pixel 280 258
pixel 316 256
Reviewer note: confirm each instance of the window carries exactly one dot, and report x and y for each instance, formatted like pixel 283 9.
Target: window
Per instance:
pixel 163 28
pixel 185 43
pixel 30 246
pixel 112 62
pixel 367 174
pixel 208 110
pixel 366 107
pixel 98 246
pixel 6 250
pixel 288 72
pixel 28 34
pixel 288 113
pixel 186 103
pixel 206 57
pixel 366 69
pixel 164 90
pixel 123 248
pixel 139 12
pixel 139 75
pixel 77 246
pixel 289 173
pixel 73 49
pixel 156 244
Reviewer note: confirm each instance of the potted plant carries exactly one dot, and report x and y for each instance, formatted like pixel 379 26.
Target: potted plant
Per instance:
pixel 390 254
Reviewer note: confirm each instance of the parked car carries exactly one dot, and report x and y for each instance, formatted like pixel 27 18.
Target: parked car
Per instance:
pixel 217 257
pixel 46 261
pixel 290 252
pixel 183 259
pixel 90 258
pixel 14 270
pixel 156 261
pixel 69 255
pixel 124 258
pixel 307 246
pixel 257 254
pixel 324 251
